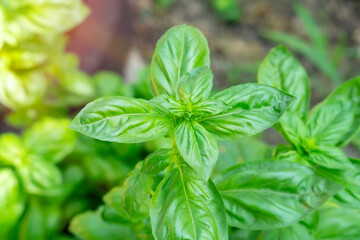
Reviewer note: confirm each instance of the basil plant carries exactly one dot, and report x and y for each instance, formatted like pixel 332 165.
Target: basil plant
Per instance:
pixel 173 187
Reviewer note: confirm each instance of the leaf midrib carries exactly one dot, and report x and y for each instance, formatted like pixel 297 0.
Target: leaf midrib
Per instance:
pixel 124 115
pixel 186 197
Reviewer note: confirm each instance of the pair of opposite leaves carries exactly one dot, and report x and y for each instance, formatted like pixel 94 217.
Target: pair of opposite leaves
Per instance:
pixel 183 106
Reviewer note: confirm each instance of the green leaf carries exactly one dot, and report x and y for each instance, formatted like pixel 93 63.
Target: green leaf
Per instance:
pixel 186 207
pixel 50 138
pixel 350 91
pixel 11 201
pixel 24 18
pixel 12 150
pixel 293 129
pixel 40 177
pixel 33 224
pixel 330 157
pixel 20 90
pixel 197 146
pixel 271 194
pixel 170 104
pixel 293 232
pixel 158 161
pixel 208 107
pixel 281 70
pixel 348 198
pixel 254 108
pixel 121 119
pixel 132 199
pixel 337 224
pixel 90 226
pixel 178 51
pixel 329 121
pixel 347 178
pixel 196 85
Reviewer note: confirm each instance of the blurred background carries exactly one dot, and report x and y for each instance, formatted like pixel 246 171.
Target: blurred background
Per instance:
pixel 120 35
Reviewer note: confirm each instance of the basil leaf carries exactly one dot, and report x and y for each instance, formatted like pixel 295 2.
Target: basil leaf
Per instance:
pixel 12 150
pixel 281 70
pixel 209 107
pixel 90 226
pixel 11 201
pixel 348 198
pixel 196 85
pixel 349 178
pixel 178 51
pixel 293 232
pixel 271 194
pixel 132 199
pixel 337 224
pixel 255 107
pixel 294 131
pixel 329 121
pixel 31 17
pixel 350 91
pixel 330 157
pixel 170 104
pixel 158 161
pixel 186 207
pixel 121 119
pixel 50 138
pixel 197 146
pixel 40 177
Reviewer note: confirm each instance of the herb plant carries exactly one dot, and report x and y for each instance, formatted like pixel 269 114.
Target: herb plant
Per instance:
pixel 173 190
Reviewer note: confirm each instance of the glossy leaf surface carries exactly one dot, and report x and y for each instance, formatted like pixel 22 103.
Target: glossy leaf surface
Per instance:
pixel 186 207
pixel 254 108
pixel 281 70
pixel 121 119
pixel 158 161
pixel 195 85
pixel 197 146
pixel 350 91
pixel 330 157
pixel 271 194
pixel 178 51
pixel 330 121
pixel 132 199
